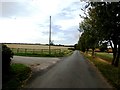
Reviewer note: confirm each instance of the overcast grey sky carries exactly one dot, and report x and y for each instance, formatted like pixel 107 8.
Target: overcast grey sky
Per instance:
pixel 27 21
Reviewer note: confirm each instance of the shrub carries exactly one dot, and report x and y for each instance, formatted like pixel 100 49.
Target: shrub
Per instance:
pixel 7 54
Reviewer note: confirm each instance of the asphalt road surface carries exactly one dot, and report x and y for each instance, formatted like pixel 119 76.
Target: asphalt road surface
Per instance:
pixel 72 72
pixel 36 63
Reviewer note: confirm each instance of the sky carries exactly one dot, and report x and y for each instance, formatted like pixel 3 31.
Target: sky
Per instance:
pixel 27 21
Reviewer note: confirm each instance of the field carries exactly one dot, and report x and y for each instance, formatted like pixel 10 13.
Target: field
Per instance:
pixel 39 50
pixel 36 46
pixel 103 55
pixel 106 56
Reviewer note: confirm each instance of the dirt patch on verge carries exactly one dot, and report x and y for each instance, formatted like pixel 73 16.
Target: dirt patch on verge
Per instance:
pixel 102 60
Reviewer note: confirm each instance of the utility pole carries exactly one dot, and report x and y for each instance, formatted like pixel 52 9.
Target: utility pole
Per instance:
pixel 50 37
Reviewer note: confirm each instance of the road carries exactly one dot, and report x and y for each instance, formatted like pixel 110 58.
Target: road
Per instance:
pixel 36 63
pixel 73 72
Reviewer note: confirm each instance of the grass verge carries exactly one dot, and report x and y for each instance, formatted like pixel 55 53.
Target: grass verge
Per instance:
pixel 18 74
pixel 111 73
pixel 106 56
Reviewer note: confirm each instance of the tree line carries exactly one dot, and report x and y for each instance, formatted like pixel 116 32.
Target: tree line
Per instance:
pixel 101 26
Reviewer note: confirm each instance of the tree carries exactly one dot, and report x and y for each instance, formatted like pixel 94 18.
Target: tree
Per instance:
pixel 51 43
pixel 104 18
pixel 107 15
pixel 81 43
pixel 103 47
pixel 89 38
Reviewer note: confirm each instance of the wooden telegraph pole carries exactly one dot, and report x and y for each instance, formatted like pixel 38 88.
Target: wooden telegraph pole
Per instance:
pixel 50 37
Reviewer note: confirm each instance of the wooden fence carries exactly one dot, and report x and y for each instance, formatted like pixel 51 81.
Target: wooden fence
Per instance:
pixel 35 51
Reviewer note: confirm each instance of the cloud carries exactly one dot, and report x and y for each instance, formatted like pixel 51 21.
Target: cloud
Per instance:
pixel 15 9
pixel 28 21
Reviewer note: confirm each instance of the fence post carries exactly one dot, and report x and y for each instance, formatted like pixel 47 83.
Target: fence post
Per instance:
pixel 55 51
pixel 33 51
pixel 17 50
pixel 11 49
pixel 41 51
pixel 25 51
pixel 60 51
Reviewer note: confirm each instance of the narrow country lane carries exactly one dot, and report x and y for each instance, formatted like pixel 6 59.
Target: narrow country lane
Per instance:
pixel 72 72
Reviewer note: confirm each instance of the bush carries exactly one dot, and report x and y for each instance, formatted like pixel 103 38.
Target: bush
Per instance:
pixel 7 54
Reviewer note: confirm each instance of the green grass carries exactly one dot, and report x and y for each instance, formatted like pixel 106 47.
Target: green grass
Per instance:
pixel 21 71
pixel 106 56
pixel 39 55
pixel 18 73
pixel 111 73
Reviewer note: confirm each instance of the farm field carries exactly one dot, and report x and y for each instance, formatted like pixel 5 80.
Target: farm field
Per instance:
pixel 39 50
pixel 35 46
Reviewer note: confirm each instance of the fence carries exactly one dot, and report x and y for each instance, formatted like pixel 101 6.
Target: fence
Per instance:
pixel 35 51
